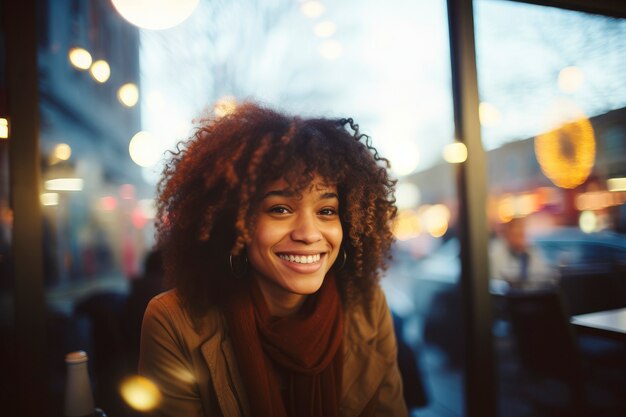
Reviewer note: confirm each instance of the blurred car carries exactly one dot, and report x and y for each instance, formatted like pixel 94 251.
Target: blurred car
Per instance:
pixel 573 252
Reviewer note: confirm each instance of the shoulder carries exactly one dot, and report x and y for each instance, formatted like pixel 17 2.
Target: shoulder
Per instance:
pixel 168 311
pixel 366 320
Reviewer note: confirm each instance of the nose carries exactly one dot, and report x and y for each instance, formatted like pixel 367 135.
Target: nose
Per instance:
pixel 305 229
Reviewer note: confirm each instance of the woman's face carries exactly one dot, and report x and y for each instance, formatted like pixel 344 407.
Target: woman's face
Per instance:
pixel 295 242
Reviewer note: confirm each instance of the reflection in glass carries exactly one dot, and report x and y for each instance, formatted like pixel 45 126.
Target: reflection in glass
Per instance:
pixel 555 78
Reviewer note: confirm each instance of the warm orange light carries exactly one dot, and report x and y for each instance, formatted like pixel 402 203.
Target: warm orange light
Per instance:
pixel 567 154
pixel 225 106
pixel 140 393
pixel 407 225
pixel 62 151
pixel 436 219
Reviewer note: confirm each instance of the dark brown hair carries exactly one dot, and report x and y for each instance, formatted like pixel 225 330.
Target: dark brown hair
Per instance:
pixel 213 182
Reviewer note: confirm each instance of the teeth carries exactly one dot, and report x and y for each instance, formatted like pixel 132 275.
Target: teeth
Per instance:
pixel 301 259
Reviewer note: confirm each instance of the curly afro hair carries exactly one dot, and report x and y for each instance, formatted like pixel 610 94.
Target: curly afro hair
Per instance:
pixel 214 181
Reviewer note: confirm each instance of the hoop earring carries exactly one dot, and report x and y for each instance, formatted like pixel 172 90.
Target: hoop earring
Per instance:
pixel 345 258
pixel 238 271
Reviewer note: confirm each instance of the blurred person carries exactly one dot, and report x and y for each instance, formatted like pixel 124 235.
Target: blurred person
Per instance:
pixel 274 230
pixel 515 263
pixel 142 289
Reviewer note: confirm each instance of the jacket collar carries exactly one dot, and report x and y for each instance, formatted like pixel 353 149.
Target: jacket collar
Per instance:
pixel 363 369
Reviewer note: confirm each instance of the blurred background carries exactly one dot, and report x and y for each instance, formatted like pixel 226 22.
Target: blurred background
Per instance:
pixel 112 94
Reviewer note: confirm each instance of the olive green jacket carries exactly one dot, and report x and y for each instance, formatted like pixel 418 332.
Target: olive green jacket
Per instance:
pixel 195 369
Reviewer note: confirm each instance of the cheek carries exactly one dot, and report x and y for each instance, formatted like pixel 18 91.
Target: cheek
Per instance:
pixel 335 236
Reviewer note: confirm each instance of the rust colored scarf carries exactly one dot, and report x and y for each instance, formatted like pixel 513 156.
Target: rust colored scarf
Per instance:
pixel 291 367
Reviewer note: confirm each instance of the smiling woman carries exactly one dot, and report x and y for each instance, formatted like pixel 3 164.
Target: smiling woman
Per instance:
pixel 274 231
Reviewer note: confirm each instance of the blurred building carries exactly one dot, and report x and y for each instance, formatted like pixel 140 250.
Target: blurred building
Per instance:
pixel 86 53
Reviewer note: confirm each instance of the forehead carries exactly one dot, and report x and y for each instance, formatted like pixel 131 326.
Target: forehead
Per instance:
pixel 317 184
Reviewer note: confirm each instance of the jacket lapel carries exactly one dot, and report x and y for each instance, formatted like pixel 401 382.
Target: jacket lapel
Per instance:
pixel 220 359
pixel 363 372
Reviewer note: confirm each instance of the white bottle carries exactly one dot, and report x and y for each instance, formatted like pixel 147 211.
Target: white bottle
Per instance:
pixel 78 394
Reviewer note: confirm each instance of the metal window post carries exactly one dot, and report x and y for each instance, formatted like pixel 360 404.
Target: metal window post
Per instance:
pixel 480 398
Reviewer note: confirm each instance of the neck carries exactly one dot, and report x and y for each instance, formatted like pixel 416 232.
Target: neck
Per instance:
pixel 279 302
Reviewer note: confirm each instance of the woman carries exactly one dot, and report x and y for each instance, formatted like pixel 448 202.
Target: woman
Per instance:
pixel 274 231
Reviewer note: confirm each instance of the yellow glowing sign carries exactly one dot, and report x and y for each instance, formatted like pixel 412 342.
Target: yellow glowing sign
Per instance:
pixel 567 154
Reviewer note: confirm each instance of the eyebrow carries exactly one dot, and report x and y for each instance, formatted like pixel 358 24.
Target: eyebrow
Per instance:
pixel 289 193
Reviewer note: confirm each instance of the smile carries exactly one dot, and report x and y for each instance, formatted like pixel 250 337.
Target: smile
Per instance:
pixel 300 259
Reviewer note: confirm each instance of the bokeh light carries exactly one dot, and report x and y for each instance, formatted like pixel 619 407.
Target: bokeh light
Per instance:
pixel 144 149
pixel 4 128
pixel 489 114
pixel 225 106
pixel 407 195
pixel 108 203
pixel 312 8
pixel 455 153
pixel 325 29
pixel 64 184
pixel 567 154
pixel 404 158
pixel 62 151
pixel 127 191
pixel 128 94
pixel 80 58
pixel 406 225
pixel 100 71
pixel 331 49
pixel 616 184
pixel 570 79
pixel 155 14
pixel 49 199
pixel 435 219
pixel 140 393
pixel 588 221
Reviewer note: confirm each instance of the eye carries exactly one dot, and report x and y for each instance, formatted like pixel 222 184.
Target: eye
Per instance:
pixel 279 210
pixel 328 211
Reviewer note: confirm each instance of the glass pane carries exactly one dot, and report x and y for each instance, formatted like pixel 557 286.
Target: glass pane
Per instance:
pixel 553 112
pixel 95 202
pixel 387 67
